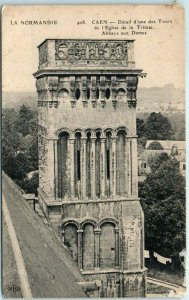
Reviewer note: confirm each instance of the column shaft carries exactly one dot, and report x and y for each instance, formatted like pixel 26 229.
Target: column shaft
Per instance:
pixel 51 174
pixel 103 167
pixel 72 167
pixel 117 246
pixel 80 248
pixel 55 169
pixel 128 167
pixel 93 168
pixel 114 168
pixel 83 168
pixel 97 248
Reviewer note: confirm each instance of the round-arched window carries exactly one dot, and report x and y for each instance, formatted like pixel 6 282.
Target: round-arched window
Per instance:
pixel 77 94
pixel 97 93
pixel 63 94
pixel 88 93
pixel 121 94
pixel 107 93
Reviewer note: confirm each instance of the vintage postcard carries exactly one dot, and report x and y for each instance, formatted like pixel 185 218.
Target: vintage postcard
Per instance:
pixel 93 151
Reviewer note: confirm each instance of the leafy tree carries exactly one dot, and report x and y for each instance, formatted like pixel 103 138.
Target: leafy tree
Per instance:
pixel 163 201
pixel 25 115
pixel 155 146
pixel 19 143
pixel 30 185
pixel 158 127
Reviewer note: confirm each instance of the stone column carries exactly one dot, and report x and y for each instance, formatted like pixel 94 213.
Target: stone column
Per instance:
pixel 128 167
pixel 97 232
pixel 80 248
pixel 51 174
pixel 93 168
pixel 55 168
pixel 117 247
pixel 83 167
pixel 72 166
pixel 134 164
pixel 114 167
pixel 103 167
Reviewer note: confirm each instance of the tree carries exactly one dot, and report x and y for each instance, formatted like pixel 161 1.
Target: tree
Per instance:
pixel 155 146
pixel 25 115
pixel 163 200
pixel 19 144
pixel 158 127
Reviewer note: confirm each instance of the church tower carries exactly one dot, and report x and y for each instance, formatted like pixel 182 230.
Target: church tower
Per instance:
pixel 88 173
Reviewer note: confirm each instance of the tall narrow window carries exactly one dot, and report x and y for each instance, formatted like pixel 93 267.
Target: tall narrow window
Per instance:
pixel 78 165
pixel 108 163
pixel 63 185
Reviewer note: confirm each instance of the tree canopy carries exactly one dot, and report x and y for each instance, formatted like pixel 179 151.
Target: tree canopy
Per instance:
pixel 155 146
pixel 19 144
pixel 163 200
pixel 156 127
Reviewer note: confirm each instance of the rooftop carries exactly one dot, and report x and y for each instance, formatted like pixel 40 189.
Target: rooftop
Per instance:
pixel 52 273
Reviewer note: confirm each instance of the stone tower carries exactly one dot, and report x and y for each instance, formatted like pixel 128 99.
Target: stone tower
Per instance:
pixel 88 158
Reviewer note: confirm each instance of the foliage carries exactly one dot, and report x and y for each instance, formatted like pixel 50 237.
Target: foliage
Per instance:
pixel 155 146
pixel 30 185
pixel 19 142
pixel 155 127
pixel 163 200
pixel 158 127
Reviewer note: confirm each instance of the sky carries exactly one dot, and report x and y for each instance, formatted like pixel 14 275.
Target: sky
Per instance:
pixel 160 53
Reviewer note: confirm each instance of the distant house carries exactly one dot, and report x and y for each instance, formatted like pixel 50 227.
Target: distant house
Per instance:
pixel 176 148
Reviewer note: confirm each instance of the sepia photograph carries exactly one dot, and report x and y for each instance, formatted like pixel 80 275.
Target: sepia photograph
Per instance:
pixel 93 151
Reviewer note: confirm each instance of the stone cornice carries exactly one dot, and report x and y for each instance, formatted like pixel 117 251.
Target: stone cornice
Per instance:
pixel 88 71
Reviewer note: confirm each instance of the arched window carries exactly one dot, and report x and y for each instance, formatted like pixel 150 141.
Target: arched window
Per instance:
pixel 78 164
pixel 71 240
pixel 88 162
pixel 121 94
pixel 62 151
pixel 88 93
pixel 107 93
pixel 108 161
pixel 77 94
pixel 98 162
pixel 63 94
pixel 88 246
pixel 107 246
pixel 97 93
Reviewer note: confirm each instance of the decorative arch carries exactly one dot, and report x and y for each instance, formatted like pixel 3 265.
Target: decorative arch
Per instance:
pixel 96 130
pixel 70 221
pixel 62 130
pixel 121 128
pixel 78 130
pixel 88 221
pixel 106 130
pixel 108 220
pixel 63 93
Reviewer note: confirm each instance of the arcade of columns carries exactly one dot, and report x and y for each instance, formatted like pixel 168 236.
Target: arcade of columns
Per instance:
pixel 108 164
